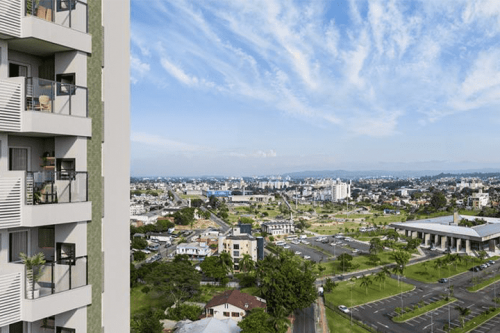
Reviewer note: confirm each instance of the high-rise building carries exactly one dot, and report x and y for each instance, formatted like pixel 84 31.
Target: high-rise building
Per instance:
pixel 64 166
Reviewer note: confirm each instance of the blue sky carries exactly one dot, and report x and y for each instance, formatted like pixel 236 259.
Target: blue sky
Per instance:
pixel 265 87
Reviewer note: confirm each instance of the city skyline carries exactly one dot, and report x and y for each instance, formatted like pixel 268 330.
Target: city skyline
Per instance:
pixel 267 88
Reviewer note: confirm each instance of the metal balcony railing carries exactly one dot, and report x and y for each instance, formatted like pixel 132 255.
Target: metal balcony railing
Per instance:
pixel 69 13
pixel 56 277
pixel 56 97
pixel 52 187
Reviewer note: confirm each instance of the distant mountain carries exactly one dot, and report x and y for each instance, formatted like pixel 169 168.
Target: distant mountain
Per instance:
pixel 391 173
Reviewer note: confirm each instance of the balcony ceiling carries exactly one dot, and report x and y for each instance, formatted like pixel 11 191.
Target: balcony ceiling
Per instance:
pixel 35 46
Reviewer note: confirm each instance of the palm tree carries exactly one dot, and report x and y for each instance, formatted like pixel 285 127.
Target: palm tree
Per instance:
pixel 226 261
pixel 366 281
pixel 464 312
pixel 457 258
pixel 380 277
pixel 438 264
pixel 279 319
pixel 386 270
pixel 246 263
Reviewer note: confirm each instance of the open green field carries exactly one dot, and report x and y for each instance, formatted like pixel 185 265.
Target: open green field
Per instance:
pixel 361 262
pixel 140 301
pixel 337 323
pixel 341 295
pixel 328 228
pixel 428 272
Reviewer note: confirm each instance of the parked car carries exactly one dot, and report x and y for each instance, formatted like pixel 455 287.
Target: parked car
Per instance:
pixel 443 280
pixel 305 242
pixel 286 246
pixel 307 257
pixel 296 242
pixel 491 262
pixel 483 266
pixel 355 251
pixel 298 252
pixel 344 309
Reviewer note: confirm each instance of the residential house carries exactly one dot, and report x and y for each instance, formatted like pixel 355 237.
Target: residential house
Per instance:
pixel 233 304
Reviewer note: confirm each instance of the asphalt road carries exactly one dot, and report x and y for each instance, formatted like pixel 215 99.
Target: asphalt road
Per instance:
pixel 304 321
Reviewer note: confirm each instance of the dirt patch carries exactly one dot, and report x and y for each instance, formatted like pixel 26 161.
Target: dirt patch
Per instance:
pixel 199 224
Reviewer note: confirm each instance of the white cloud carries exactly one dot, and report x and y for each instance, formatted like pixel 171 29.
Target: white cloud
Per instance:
pixel 256 154
pixel 163 144
pixel 390 63
pixel 138 68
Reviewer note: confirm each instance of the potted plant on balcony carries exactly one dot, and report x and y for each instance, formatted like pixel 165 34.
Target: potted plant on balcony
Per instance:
pixel 33 273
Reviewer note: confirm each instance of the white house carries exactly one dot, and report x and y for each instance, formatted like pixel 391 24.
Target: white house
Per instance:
pixel 194 250
pixel 233 304
pixel 278 227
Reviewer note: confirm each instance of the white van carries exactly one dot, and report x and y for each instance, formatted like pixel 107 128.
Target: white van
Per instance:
pixel 303 236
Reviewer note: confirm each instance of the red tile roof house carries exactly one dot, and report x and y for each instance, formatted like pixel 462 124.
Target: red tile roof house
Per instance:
pixel 232 304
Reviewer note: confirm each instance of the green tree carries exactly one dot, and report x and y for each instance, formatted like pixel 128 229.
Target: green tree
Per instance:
pixel 463 312
pixel 345 261
pixel 438 263
pixel 257 321
pixel 438 200
pixel 380 277
pixel 139 243
pixel 482 254
pixel 217 267
pixel 139 256
pixel 401 258
pixel 366 281
pixel 376 246
pixel 413 243
pixel 173 282
pixel 286 280
pixel 183 312
pixel 185 216
pixel 279 320
pixel 146 322
pixel 246 263
pixel 374 259
pixel 330 285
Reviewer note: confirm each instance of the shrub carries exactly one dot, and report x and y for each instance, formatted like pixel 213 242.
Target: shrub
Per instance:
pixel 397 310
pixel 271 238
pixel 146 289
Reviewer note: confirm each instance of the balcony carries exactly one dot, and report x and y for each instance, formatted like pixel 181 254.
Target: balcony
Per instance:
pixel 43 198
pixel 34 105
pixel 62 286
pixel 61 24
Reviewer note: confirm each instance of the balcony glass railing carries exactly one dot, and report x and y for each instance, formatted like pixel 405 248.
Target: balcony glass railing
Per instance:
pixel 56 97
pixel 69 13
pixel 51 187
pixel 55 277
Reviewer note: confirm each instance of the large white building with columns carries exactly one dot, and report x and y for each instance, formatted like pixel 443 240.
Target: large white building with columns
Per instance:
pixel 444 233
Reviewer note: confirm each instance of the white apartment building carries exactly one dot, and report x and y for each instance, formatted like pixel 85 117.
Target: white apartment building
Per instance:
pixel 340 190
pixel 195 250
pixel 64 174
pixel 278 227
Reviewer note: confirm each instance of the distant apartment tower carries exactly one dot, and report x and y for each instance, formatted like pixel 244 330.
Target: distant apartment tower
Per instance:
pixel 64 165
pixel 340 190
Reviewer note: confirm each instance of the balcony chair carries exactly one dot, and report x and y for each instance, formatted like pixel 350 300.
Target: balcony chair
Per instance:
pixel 45 103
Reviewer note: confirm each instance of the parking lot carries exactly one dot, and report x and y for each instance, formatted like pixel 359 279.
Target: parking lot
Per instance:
pixel 379 314
pixel 328 251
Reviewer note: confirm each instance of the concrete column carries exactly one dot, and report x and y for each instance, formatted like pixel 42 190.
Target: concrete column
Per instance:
pixel 492 245
pixel 436 240
pixel 427 239
pixel 467 246
pixel 414 234
pixel 443 242
pixel 459 244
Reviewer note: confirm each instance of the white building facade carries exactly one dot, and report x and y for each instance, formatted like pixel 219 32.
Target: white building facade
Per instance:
pixel 64 165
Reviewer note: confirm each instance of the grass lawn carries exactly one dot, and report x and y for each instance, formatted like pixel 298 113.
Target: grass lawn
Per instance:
pixel 484 284
pixel 330 228
pixel 190 196
pixel 427 272
pixel 207 292
pixel 140 301
pixel 476 321
pixel 334 267
pixel 251 290
pixel 420 311
pixel 337 323
pixel 342 293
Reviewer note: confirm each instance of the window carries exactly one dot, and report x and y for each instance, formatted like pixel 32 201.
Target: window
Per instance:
pixel 226 306
pixel 236 253
pixel 17 70
pixel 64 5
pixel 18 159
pixel 66 84
pixel 235 314
pixel 65 252
pixel 225 314
pixel 236 246
pixel 18 243
pixel 46 237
